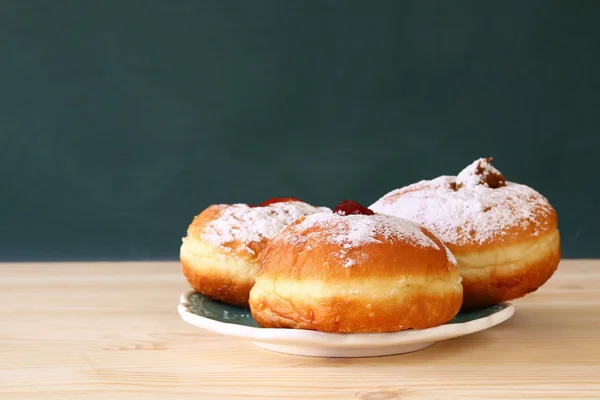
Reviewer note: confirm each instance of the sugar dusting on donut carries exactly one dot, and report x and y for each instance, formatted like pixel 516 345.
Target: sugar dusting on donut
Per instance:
pixel 465 208
pixel 244 224
pixel 351 232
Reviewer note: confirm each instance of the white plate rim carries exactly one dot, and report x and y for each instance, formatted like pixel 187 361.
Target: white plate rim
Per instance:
pixel 308 337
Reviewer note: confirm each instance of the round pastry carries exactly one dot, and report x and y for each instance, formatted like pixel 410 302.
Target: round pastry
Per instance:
pixel 225 243
pixel 503 235
pixel 355 271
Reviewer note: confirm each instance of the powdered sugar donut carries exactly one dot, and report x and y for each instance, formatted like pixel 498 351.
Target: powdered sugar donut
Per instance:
pixel 358 272
pixel 504 235
pixel 225 244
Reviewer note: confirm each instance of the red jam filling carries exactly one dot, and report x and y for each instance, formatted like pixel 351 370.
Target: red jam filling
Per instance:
pixel 349 207
pixel 277 200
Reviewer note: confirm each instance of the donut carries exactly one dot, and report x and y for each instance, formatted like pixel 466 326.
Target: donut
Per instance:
pixel 225 243
pixel 353 271
pixel 504 235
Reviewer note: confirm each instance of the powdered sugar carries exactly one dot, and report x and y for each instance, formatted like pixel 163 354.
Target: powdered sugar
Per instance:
pixel 450 256
pixel 353 231
pixel 243 224
pixel 474 213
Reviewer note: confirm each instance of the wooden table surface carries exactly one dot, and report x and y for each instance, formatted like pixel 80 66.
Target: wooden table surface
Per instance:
pixel 111 331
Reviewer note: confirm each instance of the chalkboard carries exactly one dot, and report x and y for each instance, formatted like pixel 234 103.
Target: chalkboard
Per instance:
pixel 121 120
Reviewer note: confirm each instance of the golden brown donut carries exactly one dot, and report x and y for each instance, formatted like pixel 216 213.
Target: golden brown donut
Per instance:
pixel 504 235
pixel 355 273
pixel 225 243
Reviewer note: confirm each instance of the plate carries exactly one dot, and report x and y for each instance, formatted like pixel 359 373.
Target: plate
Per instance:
pixel 211 315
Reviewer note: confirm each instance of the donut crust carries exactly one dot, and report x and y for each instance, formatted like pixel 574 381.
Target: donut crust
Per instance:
pixel 486 283
pixel 224 277
pixel 419 310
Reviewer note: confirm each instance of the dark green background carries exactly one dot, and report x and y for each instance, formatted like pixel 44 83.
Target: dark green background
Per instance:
pixel 120 120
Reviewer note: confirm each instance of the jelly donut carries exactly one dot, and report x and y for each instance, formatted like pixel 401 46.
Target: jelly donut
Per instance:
pixel 504 235
pixel 225 244
pixel 355 271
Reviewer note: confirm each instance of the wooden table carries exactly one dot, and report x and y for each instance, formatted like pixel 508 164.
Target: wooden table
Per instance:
pixel 111 331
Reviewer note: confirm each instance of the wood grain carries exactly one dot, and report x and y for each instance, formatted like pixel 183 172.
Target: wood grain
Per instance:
pixel 111 331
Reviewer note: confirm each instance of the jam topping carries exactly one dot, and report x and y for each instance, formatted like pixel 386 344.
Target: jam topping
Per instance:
pixel 349 207
pixel 481 172
pixel 277 200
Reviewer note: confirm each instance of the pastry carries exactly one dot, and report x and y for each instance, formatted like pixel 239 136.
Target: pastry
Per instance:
pixel 225 243
pixel 504 235
pixel 353 271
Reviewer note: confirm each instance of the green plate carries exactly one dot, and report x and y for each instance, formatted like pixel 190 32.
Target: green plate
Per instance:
pixel 220 318
pixel 208 308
